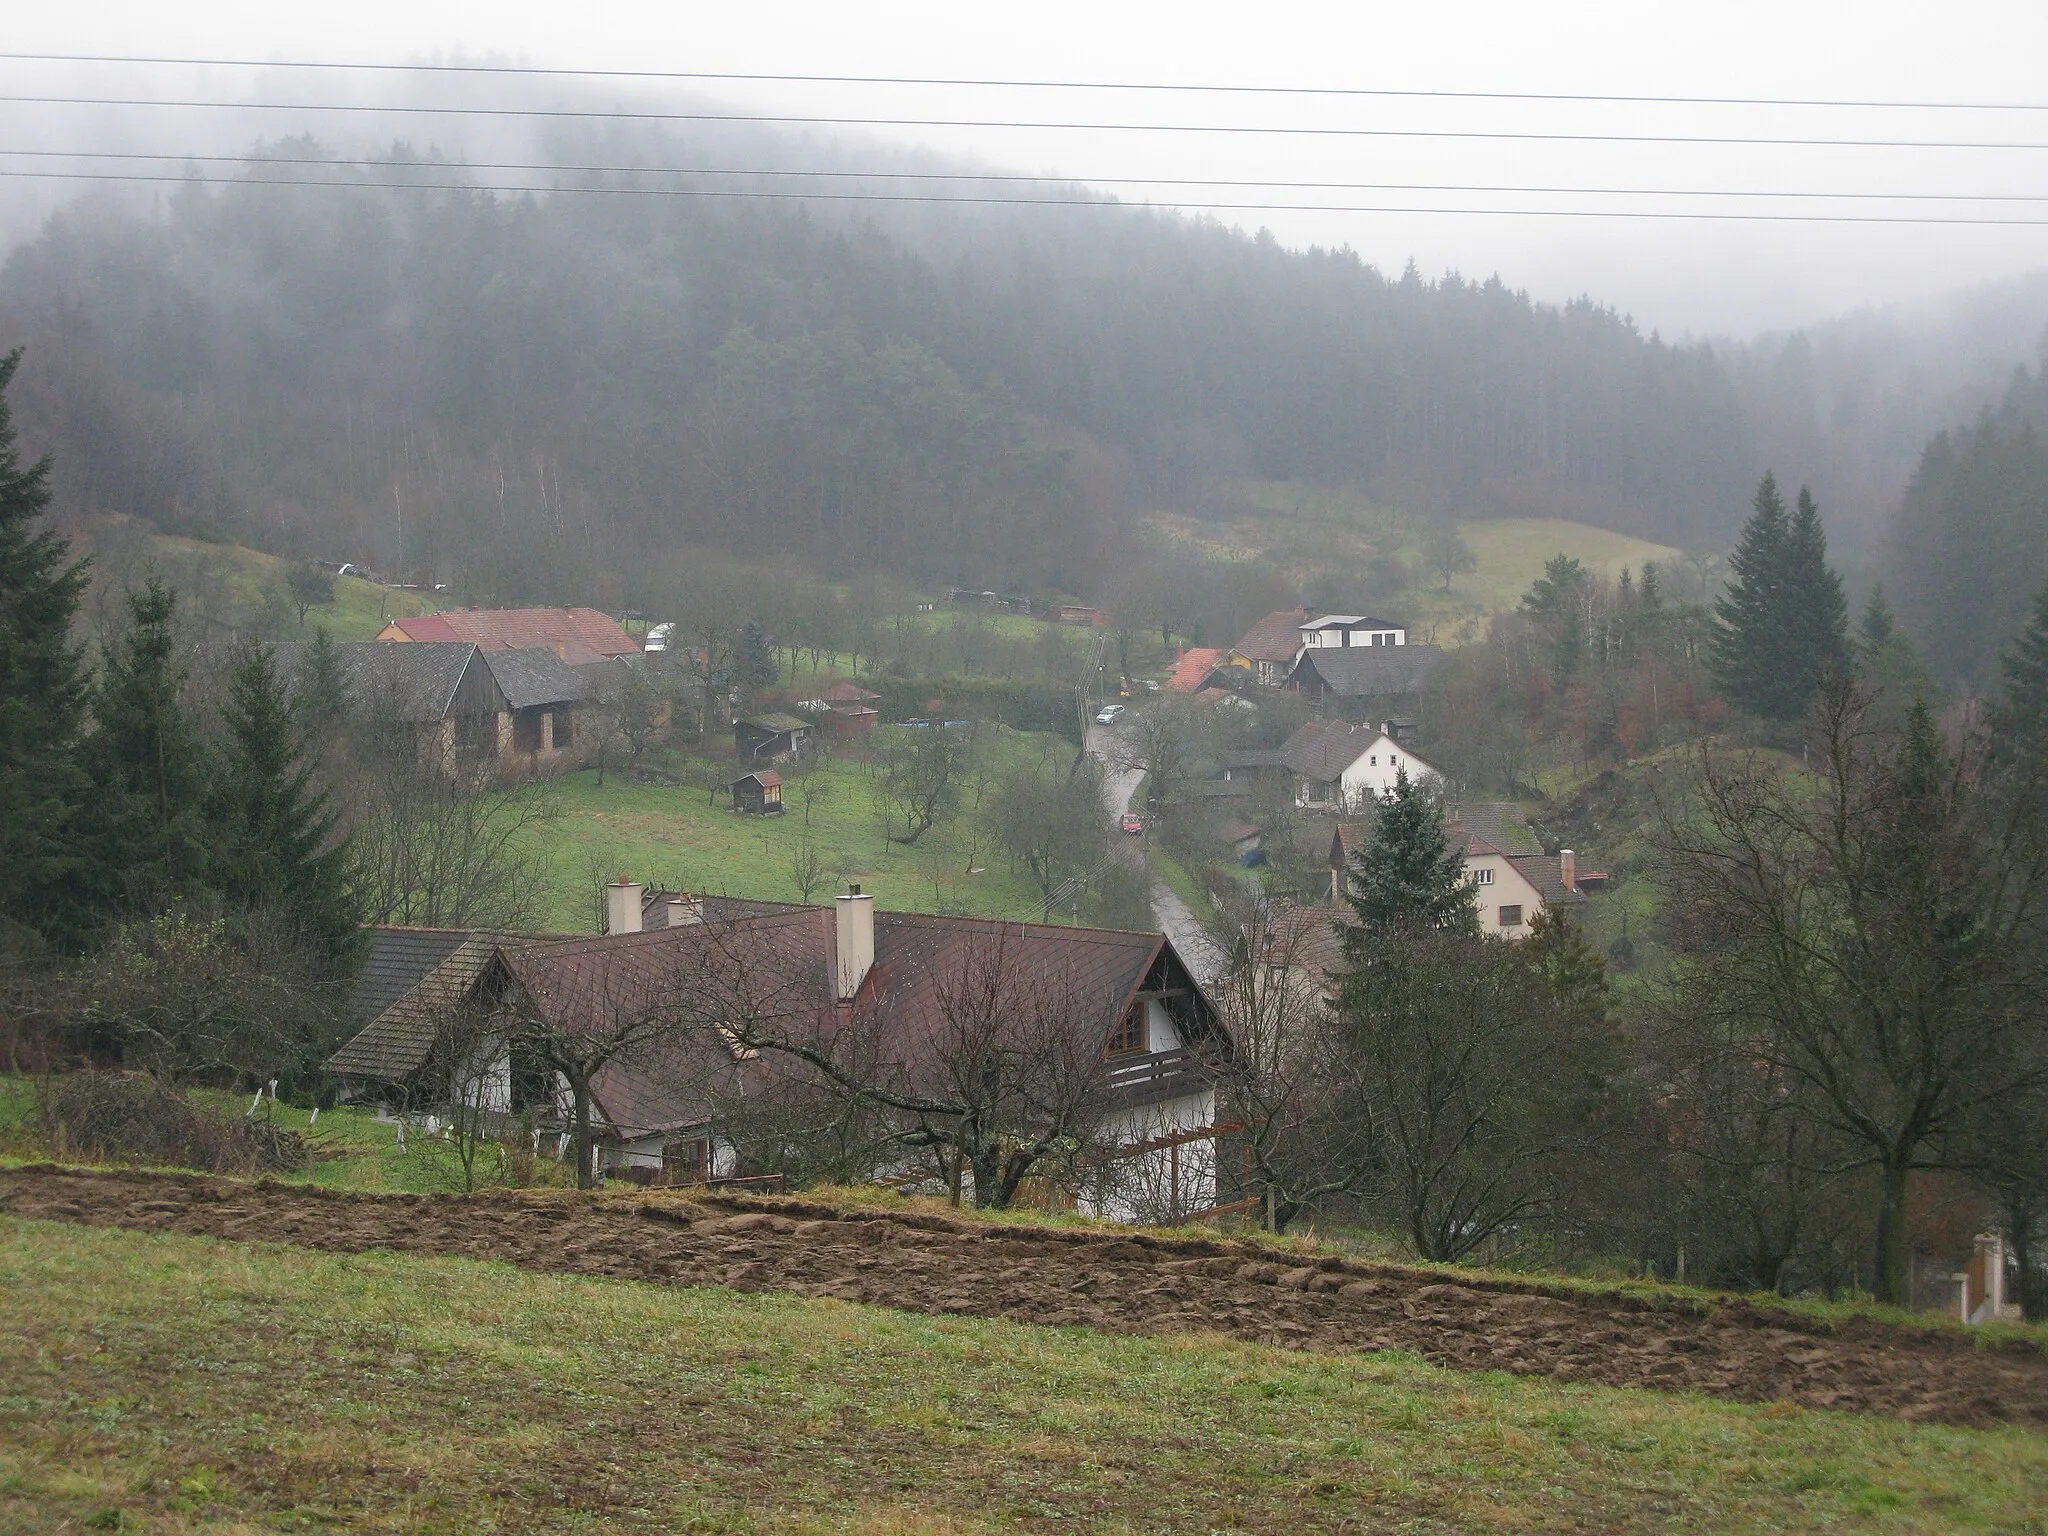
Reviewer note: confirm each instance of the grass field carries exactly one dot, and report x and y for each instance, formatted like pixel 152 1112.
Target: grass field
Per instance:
pixel 180 1384
pixel 359 610
pixel 673 835
pixel 1511 554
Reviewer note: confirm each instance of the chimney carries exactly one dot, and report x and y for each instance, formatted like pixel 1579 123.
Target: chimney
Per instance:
pixel 1568 868
pixel 854 941
pixel 622 906
pixel 684 912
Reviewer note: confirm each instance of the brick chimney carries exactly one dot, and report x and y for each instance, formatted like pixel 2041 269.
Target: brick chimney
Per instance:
pixel 1568 868
pixel 853 942
pixel 622 906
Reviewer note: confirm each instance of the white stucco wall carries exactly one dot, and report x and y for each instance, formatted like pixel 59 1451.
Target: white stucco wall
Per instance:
pixel 1373 773
pixel 1504 886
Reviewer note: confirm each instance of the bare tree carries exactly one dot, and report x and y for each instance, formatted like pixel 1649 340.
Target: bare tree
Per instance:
pixel 1483 1076
pixel 1872 931
pixel 1305 1137
pixel 806 868
pixel 1163 740
pixel 920 782
pixel 1447 554
pixel 445 850
pixel 1004 1073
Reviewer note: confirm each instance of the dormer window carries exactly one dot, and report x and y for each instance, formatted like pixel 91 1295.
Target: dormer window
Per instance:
pixel 1130 1033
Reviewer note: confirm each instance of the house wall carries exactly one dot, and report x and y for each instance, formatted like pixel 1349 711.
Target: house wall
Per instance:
pixel 1508 886
pixel 1373 774
pixel 645 1152
pixel 1339 639
pixel 1160 1183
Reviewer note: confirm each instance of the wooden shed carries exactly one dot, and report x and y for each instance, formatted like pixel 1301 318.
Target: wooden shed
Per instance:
pixel 757 794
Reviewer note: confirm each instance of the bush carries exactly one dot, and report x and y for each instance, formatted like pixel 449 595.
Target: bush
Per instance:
pixel 130 1117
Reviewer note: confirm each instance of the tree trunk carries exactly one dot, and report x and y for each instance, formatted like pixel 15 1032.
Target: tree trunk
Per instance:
pixel 585 1179
pixel 2033 1303
pixel 1888 1283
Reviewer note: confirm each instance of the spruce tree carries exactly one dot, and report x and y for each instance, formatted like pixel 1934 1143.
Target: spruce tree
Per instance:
pixel 274 845
pixel 42 699
pixel 2019 725
pixel 1816 618
pixel 147 761
pixel 1408 875
pixel 1743 654
pixel 1885 658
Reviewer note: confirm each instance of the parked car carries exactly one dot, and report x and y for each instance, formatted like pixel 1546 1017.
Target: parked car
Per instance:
pixel 658 637
pixel 1130 822
pixel 1109 715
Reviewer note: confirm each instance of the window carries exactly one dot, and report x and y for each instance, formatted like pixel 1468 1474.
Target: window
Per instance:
pixel 1374 760
pixel 1130 1034
pixel 1482 876
pixel 1511 916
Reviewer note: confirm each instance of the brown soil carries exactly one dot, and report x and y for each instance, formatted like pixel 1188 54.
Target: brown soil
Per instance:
pixel 1119 1283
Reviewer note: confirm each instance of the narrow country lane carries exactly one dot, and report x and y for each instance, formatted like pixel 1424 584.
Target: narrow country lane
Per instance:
pixel 1176 920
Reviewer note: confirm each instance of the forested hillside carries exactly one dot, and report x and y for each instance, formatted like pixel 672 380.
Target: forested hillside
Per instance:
pixel 1970 547
pixel 562 395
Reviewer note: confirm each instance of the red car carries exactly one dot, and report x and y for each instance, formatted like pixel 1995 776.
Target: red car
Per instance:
pixel 1131 822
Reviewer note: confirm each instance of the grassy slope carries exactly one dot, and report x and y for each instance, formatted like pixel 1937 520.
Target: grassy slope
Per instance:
pixel 673 835
pixel 359 610
pixel 1511 554
pixel 183 1384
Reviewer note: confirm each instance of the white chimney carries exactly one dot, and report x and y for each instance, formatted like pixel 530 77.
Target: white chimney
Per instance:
pixel 854 941
pixel 1568 868
pixel 622 907
pixel 683 912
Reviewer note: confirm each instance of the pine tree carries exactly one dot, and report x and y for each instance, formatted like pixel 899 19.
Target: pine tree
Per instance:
pixel 1783 620
pixel 2019 725
pixel 753 664
pixel 42 699
pixel 322 693
pixel 1816 619
pixel 1743 654
pixel 1409 875
pixel 274 845
pixel 1885 658
pixel 147 762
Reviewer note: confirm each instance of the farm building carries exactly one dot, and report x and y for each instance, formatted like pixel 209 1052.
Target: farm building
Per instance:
pixel 758 793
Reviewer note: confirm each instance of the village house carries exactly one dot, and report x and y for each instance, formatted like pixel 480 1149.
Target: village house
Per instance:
pixel 1269 648
pixel 1349 631
pixel 770 738
pixel 1191 670
pixel 1341 766
pixel 1365 682
pixel 846 709
pixel 576 635
pixel 1513 880
pixel 809 972
pixel 510 711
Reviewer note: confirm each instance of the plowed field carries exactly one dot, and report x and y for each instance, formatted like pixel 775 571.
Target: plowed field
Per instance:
pixel 1120 1283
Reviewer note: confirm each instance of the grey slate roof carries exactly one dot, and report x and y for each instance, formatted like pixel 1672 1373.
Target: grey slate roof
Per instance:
pixel 1371 671
pixel 417 677
pixel 1542 872
pixel 534 676
pixel 1501 823
pixel 1322 749
pixel 397 1039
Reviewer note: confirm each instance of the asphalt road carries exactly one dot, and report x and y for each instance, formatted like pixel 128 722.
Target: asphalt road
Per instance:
pixel 1202 953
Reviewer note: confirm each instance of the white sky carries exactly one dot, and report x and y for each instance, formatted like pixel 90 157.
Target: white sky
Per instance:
pixel 1675 276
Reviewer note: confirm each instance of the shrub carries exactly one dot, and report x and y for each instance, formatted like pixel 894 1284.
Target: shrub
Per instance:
pixel 130 1117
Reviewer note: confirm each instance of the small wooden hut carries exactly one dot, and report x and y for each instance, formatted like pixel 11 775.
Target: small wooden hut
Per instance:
pixel 757 794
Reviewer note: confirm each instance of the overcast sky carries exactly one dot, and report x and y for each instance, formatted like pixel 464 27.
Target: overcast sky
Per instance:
pixel 1676 276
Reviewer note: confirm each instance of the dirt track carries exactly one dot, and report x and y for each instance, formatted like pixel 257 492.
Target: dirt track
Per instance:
pixel 1105 1280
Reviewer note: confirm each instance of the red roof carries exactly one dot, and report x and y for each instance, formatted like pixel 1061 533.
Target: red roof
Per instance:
pixel 1276 637
pixel 1194 667
pixel 510 629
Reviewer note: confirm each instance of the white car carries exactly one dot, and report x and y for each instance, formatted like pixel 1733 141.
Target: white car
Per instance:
pixel 1110 715
pixel 658 637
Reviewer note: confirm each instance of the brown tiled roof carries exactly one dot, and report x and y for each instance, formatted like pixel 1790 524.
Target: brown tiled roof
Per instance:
pixel 1308 938
pixel 1276 637
pixel 506 629
pixel 1499 822
pixel 1193 668
pixel 767 778
pixel 1541 870
pixel 778 967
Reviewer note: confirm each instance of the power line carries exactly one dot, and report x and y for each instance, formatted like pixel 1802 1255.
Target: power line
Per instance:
pixel 1288 130
pixel 994 83
pixel 1016 178
pixel 1033 202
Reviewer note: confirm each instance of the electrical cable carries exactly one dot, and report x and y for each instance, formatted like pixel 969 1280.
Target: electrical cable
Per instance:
pixel 1151 86
pixel 1073 202
pixel 1289 130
